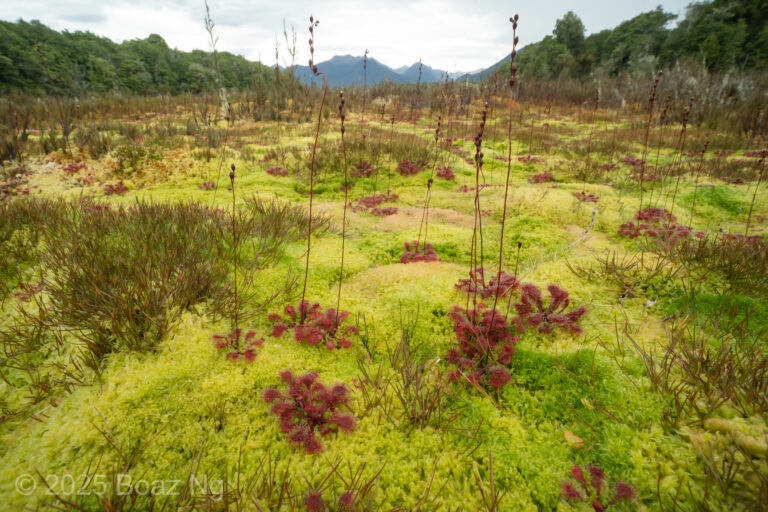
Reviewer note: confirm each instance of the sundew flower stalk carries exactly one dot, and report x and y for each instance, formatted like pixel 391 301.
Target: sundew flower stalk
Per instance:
pixel 476 259
pixel 681 144
pixel 234 243
pixel 512 81
pixel 312 24
pixel 651 102
pixel 346 197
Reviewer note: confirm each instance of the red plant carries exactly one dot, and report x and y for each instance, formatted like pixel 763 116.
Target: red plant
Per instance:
pixel 724 153
pixel 586 198
pixel 757 154
pixel 308 406
pixel 294 317
pixel 632 162
pixel 277 171
pixel 593 490
pixel 413 254
pixel 314 501
pixel 475 284
pixel 655 223
pixel 74 167
pixel 361 169
pixel 486 345
pixel 232 342
pixel 655 215
pixel 608 167
pixel 445 172
pixel 530 159
pixel 532 313
pixel 406 167
pixel 544 177
pixel 369 202
pixel 465 188
pixel 312 326
pixel 382 212
pixel 85 181
pixel 207 185
pixel 117 189
pixel 639 176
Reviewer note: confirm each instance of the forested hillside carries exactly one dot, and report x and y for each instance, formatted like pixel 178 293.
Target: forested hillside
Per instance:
pixel 82 62
pixel 722 35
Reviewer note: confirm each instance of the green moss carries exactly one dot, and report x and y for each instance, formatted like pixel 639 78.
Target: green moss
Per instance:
pixel 586 384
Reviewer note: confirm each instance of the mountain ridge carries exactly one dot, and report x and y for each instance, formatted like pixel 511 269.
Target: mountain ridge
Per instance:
pixel 347 70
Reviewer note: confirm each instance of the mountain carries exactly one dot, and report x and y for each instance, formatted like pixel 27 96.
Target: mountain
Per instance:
pixel 428 74
pixel 482 74
pixel 346 70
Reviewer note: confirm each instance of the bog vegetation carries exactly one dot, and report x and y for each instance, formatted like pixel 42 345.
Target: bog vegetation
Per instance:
pixel 542 291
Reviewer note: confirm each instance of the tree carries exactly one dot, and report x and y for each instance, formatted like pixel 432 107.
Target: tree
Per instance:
pixel 569 31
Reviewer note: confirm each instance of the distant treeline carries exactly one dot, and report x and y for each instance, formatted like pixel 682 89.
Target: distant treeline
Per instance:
pixel 721 35
pixel 78 63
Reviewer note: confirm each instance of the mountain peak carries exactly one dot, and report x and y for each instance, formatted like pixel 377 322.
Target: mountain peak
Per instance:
pixel 344 59
pixel 346 70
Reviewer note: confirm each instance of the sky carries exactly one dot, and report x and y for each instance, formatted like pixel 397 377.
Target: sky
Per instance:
pixel 451 35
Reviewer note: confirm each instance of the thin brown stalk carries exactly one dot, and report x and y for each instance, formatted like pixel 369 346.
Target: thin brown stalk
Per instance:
pixel 312 24
pixel 512 80
pixel 346 198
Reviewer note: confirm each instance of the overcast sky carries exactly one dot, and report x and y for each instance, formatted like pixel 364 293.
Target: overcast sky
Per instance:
pixel 453 35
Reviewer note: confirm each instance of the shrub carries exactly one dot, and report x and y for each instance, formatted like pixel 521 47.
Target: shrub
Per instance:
pixel 93 140
pixel 307 407
pixel 273 222
pixel 20 221
pixel 741 261
pixel 129 155
pixel 120 276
